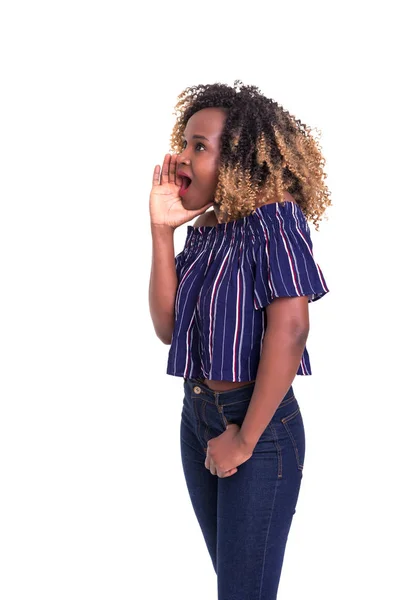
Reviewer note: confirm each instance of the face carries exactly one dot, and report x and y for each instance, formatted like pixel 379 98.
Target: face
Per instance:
pixel 199 160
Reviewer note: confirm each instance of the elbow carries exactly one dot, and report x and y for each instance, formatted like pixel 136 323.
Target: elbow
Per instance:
pixel 165 335
pixel 295 333
pixel 288 317
pixel 300 336
pixel 163 328
pixel 298 330
pixel 294 336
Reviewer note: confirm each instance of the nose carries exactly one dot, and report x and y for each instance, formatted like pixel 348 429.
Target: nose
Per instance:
pixel 183 159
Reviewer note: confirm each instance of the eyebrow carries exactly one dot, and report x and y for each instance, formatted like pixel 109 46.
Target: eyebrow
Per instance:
pixel 199 137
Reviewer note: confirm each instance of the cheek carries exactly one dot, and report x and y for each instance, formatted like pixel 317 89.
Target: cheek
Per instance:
pixel 210 173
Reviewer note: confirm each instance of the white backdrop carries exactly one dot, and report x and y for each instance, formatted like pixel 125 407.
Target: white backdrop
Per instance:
pixel 93 502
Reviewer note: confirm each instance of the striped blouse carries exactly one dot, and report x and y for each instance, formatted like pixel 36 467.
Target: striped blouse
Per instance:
pixel 227 275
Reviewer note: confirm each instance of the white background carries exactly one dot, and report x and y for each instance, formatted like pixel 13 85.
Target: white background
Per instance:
pixel 93 502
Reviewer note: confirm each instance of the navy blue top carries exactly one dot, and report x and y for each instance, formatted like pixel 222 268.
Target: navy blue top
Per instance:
pixel 227 275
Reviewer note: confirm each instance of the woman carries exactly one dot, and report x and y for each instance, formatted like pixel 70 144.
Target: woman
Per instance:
pixel 234 307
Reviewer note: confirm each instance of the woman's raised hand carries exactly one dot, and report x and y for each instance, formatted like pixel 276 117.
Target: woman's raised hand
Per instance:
pixel 166 206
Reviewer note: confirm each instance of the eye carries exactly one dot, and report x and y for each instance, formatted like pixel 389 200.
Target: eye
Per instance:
pixel 199 146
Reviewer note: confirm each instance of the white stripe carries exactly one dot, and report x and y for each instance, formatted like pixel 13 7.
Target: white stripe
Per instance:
pixel 187 345
pixel 310 250
pixel 212 321
pixel 284 235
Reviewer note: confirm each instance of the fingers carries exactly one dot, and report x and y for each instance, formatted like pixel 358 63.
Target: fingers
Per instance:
pixel 168 171
pixel 165 169
pixel 209 464
pixel 229 473
pixel 223 474
pixel 213 468
pixel 156 175
pixel 172 169
pixel 178 178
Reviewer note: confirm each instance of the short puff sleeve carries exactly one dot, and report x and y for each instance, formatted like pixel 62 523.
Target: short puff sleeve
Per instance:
pixel 284 261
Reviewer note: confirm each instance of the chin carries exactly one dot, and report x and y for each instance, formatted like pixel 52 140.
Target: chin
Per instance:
pixel 190 205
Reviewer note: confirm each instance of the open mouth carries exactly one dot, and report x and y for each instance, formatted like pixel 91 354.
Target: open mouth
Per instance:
pixel 186 181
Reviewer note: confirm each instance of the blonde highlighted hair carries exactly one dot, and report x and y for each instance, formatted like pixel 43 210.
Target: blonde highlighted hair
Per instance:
pixel 264 152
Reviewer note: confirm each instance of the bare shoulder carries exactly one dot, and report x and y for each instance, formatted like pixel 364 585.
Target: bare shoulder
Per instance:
pixel 286 197
pixel 207 218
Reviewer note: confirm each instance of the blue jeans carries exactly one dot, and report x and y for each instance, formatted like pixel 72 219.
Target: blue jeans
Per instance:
pixel 245 518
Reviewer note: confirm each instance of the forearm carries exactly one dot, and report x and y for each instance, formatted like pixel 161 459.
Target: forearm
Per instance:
pixel 163 282
pixel 280 359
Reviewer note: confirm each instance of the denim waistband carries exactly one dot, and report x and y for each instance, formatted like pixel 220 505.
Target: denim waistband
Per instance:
pixel 243 392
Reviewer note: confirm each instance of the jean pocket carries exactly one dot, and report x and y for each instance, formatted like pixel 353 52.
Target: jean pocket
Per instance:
pixel 294 426
pixel 235 412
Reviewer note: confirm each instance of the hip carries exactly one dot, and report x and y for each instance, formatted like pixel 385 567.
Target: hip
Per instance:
pixel 208 413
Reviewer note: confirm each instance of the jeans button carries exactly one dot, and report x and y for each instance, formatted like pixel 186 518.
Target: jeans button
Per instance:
pixel 197 389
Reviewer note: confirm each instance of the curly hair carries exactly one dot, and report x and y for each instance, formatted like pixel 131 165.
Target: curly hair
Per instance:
pixel 264 151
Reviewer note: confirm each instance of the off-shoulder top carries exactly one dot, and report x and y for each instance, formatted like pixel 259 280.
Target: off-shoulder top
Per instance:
pixel 227 275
